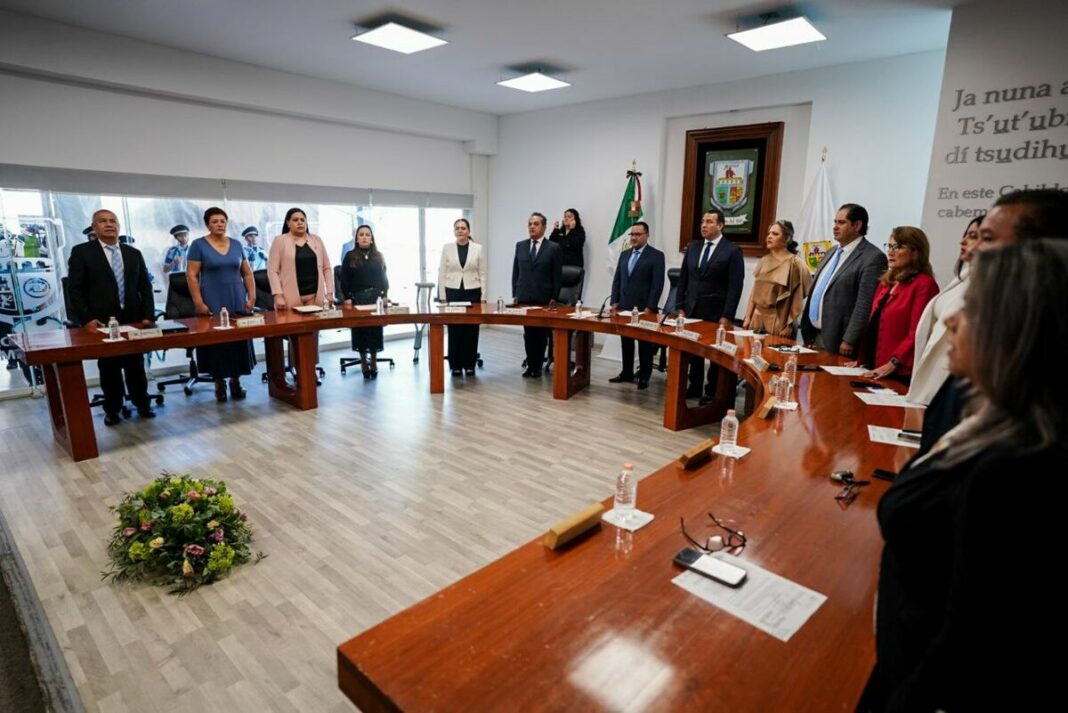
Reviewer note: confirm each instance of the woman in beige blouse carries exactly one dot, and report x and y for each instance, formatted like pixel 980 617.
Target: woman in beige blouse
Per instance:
pixel 782 283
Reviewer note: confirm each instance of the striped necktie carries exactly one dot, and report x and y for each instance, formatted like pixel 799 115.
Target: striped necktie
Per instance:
pixel 116 267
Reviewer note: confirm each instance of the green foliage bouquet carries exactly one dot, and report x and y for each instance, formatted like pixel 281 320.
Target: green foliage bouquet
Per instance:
pixel 179 531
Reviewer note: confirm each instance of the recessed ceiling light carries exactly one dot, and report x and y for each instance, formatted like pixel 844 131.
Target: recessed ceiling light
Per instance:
pixel 399 38
pixel 534 82
pixel 788 33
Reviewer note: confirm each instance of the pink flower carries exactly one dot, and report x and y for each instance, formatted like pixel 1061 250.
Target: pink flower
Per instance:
pixel 146 527
pixel 129 532
pixel 195 550
pixel 192 495
pixel 210 491
pixel 218 535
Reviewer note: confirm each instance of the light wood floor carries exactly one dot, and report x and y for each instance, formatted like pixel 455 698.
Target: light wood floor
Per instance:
pixel 379 498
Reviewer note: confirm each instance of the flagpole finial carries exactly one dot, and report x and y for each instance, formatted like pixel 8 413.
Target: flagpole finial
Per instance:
pixel 823 155
pixel 634 165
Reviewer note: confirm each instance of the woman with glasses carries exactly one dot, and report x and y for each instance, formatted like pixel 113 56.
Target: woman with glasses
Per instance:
pixel 782 283
pixel 461 277
pixel 889 343
pixel 929 369
pixel 971 548
pixel 363 281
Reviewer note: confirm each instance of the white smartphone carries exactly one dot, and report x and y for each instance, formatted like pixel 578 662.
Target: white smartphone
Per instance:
pixel 711 567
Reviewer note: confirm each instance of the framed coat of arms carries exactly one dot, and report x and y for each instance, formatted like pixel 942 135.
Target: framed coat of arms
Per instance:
pixel 735 169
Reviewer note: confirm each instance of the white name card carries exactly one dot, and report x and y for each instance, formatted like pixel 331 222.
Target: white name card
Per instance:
pixel 516 310
pixel 455 308
pixel 147 333
pixel 689 334
pixel 759 363
pixel 333 313
pixel 399 309
pixel 456 304
pixel 649 324
pixel 728 347
pixel 255 320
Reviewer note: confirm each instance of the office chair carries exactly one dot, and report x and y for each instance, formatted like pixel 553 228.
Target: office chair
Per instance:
pixel 346 362
pixel 572 278
pixel 180 306
pixel 669 308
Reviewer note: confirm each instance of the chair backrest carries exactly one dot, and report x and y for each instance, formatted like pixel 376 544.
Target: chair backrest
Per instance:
pixel 673 291
pixel 571 279
pixel 72 321
pixel 179 298
pixel 264 298
pixel 337 285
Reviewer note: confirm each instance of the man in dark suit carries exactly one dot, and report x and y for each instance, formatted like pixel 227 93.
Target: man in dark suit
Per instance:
pixel 536 277
pixel 637 284
pixel 839 305
pixel 107 279
pixel 710 287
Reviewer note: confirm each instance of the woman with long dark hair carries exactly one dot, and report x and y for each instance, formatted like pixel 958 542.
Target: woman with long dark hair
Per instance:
pixel 782 283
pixel 571 236
pixel 363 281
pixel 298 267
pixel 461 277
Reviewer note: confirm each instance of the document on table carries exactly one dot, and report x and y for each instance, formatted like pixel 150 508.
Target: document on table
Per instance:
pixel 883 399
pixel 844 370
pixel 742 332
pixel 796 349
pixel 771 603
pixel 883 434
pixel 455 304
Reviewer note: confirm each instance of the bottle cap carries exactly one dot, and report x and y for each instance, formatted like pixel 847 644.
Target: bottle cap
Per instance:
pixel 628 466
pixel 730 412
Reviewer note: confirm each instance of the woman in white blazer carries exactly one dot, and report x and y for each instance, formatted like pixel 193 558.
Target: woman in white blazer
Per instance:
pixel 461 278
pixel 931 366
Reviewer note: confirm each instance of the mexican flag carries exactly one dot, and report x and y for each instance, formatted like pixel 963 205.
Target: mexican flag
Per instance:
pixel 630 212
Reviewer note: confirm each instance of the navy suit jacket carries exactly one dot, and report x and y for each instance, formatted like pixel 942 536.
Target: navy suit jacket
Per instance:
pixel 93 292
pixel 537 282
pixel 642 287
pixel 712 293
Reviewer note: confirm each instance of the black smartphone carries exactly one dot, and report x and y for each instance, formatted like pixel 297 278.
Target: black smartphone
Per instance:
pixel 862 384
pixel 711 567
pixel 884 474
pixel 808 367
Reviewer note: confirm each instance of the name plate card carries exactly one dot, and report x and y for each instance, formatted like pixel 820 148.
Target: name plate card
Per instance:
pixel 727 347
pixel 584 314
pixel 400 309
pixel 147 333
pixel 516 310
pixel 649 324
pixel 459 309
pixel 255 320
pixel 332 313
pixel 689 334
pixel 759 363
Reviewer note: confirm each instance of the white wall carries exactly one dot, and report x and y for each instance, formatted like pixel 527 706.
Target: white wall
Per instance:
pixel 876 119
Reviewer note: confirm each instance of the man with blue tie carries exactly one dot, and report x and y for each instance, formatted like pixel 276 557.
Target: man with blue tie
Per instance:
pixel 710 287
pixel 637 284
pixel 108 279
pixel 537 274
pixel 839 305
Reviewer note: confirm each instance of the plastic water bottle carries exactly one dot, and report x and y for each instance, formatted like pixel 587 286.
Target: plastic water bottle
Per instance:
pixel 379 306
pixel 635 317
pixel 789 372
pixel 113 329
pixel 578 309
pixel 728 432
pixel 758 346
pixel 224 318
pixel 326 304
pixel 721 335
pixel 626 493
pixel 783 390
pixel 500 304
pixel 680 324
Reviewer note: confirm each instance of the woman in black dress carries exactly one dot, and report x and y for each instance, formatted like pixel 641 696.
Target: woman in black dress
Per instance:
pixel 363 281
pixel 571 236
pixel 971 528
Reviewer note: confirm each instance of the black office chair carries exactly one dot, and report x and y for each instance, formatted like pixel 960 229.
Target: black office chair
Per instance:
pixel 346 362
pixel 669 308
pixel 572 278
pixel 97 400
pixel 180 306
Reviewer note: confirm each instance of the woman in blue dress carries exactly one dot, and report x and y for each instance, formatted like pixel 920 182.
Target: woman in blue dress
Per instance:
pixel 219 276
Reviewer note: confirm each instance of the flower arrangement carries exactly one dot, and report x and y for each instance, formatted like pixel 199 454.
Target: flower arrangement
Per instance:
pixel 179 531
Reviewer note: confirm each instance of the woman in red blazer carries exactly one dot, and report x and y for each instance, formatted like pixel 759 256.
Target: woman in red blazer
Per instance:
pixel 889 343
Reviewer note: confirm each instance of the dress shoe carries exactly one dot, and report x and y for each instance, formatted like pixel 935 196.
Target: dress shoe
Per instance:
pixel 470 372
pixel 528 373
pixel 112 419
pixel 237 393
pixel 146 412
pixel 535 374
pixel 643 384
pixel 457 372
pixel 220 391
pixel 621 379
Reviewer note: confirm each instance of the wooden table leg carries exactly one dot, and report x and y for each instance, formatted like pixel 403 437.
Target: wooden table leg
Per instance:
pixel 436 342
pixel 677 415
pixel 301 392
pixel 565 382
pixel 68 405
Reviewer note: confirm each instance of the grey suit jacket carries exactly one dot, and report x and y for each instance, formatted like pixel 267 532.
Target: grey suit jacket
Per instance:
pixel 847 299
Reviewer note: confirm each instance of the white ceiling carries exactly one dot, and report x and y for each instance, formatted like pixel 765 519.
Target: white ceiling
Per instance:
pixel 607 48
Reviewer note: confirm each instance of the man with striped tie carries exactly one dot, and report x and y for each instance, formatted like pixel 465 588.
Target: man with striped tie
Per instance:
pixel 108 279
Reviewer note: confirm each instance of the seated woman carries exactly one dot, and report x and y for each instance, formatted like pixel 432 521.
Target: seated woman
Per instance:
pixel 782 284
pixel 969 527
pixel 889 343
pixel 363 281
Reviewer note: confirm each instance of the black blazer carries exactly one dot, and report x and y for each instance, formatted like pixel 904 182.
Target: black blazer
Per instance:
pixel 571 243
pixel 538 282
pixel 363 284
pixel 93 292
pixel 642 287
pixel 964 584
pixel 712 293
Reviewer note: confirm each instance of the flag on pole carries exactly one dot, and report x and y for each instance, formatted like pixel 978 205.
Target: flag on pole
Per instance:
pixel 813 229
pixel 630 212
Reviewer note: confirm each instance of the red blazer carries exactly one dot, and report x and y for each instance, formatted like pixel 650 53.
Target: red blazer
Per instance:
pixel 897 325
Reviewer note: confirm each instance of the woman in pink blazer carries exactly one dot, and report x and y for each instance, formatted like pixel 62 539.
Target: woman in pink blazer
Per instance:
pixel 298 267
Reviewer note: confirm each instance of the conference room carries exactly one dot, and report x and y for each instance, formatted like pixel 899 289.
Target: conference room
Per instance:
pixel 431 360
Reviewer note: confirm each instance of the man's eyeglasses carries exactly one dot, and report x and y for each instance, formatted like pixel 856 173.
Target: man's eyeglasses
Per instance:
pixel 735 540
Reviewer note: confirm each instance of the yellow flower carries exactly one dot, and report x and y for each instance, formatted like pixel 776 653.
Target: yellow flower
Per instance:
pixel 187 569
pixel 213 524
pixel 156 543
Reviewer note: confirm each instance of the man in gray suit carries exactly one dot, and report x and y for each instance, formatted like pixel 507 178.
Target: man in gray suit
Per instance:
pixel 839 305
